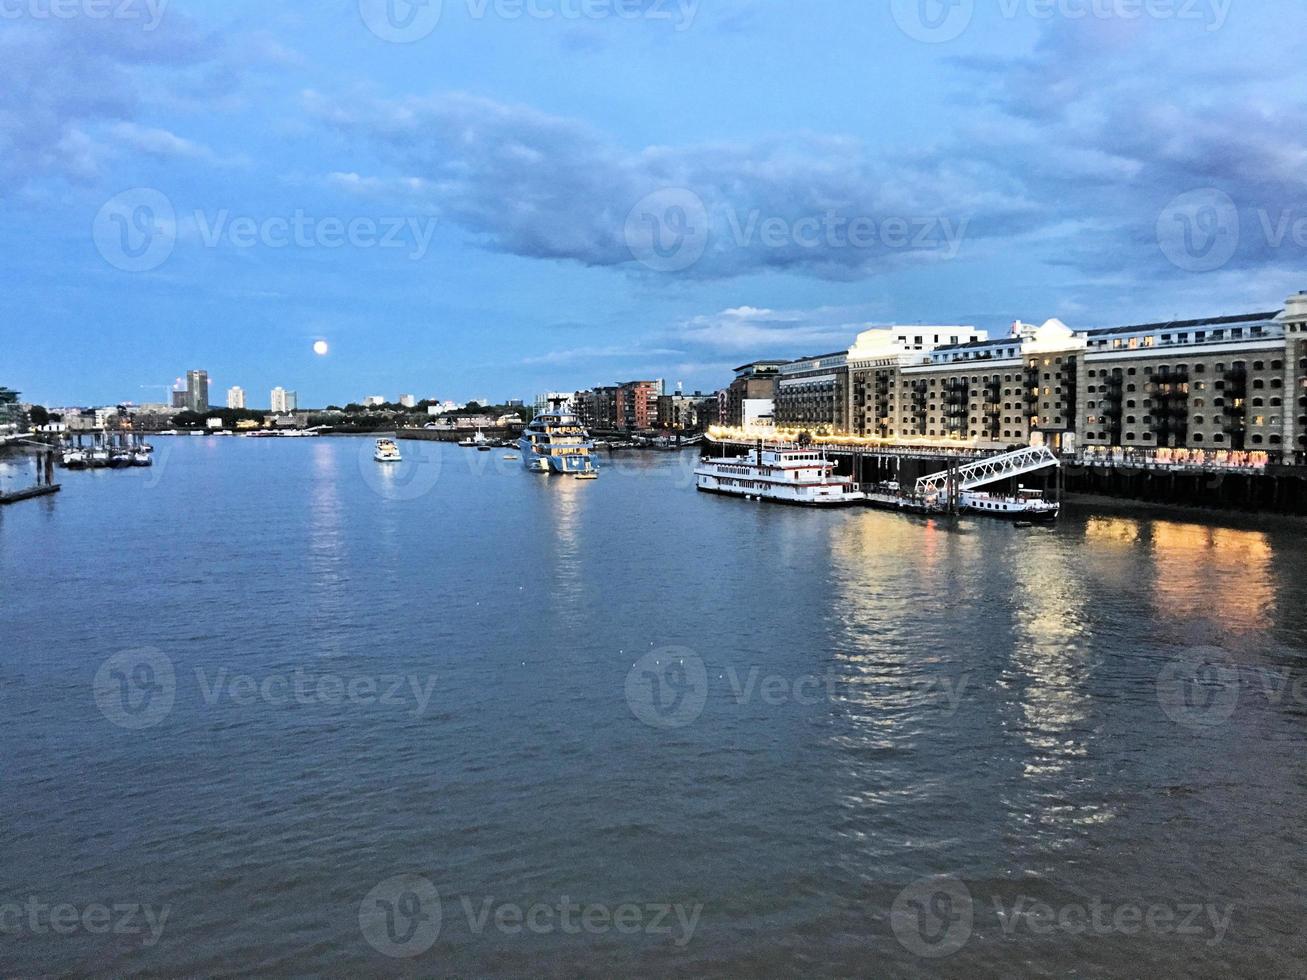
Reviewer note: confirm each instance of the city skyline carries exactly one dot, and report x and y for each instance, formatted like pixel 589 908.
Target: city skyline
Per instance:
pixel 242 184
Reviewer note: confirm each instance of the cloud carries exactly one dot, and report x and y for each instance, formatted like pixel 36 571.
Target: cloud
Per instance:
pixel 582 354
pixel 73 91
pixel 1109 121
pixel 764 332
pixel 542 186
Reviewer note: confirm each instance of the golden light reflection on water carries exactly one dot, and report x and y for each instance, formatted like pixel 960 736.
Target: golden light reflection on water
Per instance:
pixel 1052 665
pixel 1220 575
pixel 566 507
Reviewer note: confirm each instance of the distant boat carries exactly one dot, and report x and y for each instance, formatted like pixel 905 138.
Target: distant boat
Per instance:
pixel 387 452
pixel 142 457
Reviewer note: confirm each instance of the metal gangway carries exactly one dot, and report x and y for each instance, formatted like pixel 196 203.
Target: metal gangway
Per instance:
pixel 973 475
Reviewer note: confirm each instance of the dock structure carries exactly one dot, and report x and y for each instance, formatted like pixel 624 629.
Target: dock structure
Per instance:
pixel 44 490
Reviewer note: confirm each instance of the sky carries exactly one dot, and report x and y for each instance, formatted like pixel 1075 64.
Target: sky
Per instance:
pixel 494 198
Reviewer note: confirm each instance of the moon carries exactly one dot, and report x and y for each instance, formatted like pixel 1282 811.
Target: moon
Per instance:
pixel 320 347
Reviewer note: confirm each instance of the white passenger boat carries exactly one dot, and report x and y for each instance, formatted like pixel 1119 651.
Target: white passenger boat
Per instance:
pixel 787 476
pixel 556 442
pixel 1027 505
pixel 387 452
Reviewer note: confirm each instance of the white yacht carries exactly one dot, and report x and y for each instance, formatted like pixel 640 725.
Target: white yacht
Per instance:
pixel 387 452
pixel 556 442
pixel 788 476
pixel 1027 505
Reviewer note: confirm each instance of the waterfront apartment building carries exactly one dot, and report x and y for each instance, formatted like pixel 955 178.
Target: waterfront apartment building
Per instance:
pixel 597 407
pixel 236 397
pixel 687 413
pixel 856 390
pixel 1233 383
pixel 637 405
pixel 197 391
pixel 753 381
pixel 284 402
pixel 812 393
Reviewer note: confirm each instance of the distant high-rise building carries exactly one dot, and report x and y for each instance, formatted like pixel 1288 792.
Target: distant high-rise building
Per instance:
pixel 197 391
pixel 236 397
pixel 11 412
pixel 179 398
pixel 408 401
pixel 284 402
pixel 372 401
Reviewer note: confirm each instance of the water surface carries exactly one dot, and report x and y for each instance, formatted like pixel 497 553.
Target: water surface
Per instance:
pixel 872 737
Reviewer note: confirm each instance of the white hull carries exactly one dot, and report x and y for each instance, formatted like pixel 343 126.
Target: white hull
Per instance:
pixel 1010 508
pixel 800 478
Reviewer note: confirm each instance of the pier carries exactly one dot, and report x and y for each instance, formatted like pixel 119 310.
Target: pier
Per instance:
pixel 1249 481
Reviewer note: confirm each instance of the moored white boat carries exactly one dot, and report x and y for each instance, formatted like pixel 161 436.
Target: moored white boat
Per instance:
pixel 387 451
pixel 1027 505
pixel 556 442
pixel 788 476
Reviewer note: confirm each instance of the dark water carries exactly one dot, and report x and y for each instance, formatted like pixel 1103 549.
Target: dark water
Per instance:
pixel 246 690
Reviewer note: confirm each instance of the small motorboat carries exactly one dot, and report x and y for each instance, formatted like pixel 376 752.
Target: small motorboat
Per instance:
pixel 387 452
pixel 587 475
pixel 141 457
pixel 512 457
pixel 75 459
